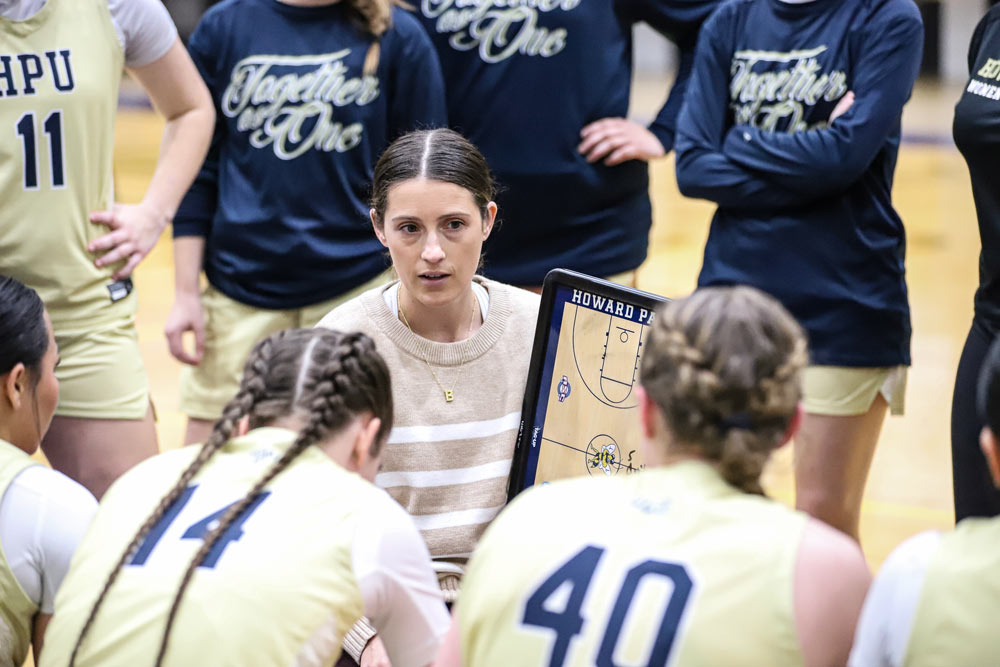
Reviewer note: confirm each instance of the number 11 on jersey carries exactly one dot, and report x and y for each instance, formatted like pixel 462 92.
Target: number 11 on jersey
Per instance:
pixel 52 126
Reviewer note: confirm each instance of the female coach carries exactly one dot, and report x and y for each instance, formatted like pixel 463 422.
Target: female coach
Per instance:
pixel 458 347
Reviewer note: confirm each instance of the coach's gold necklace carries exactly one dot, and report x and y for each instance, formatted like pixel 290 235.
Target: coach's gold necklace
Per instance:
pixel 449 394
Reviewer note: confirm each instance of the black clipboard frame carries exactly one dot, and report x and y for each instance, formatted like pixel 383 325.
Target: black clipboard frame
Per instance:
pixel 543 329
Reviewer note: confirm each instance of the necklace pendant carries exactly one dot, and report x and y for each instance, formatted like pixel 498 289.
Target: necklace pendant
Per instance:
pixel 449 396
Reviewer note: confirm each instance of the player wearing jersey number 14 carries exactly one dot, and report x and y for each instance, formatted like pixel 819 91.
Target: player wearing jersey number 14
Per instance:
pixel 264 546
pixel 685 562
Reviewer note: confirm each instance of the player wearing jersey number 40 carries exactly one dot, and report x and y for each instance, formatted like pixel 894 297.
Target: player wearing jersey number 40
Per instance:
pixel 264 546
pixel 650 568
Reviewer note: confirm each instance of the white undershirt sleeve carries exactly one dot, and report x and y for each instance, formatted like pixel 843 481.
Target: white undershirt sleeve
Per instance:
pixel 43 517
pixel 401 595
pixel 883 632
pixel 145 30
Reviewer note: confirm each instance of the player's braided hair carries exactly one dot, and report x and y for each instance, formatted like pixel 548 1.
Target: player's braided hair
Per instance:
pixel 326 376
pixel 375 18
pixel 437 155
pixel 724 365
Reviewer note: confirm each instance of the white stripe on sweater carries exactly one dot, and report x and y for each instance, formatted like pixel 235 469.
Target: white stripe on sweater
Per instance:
pixel 456 519
pixel 460 431
pixel 424 479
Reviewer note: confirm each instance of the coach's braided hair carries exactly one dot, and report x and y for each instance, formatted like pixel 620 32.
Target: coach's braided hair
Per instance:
pixel 724 366
pixel 326 376
pixel 375 18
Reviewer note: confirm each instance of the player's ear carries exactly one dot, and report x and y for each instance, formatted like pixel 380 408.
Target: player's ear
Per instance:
pixel 793 426
pixel 991 449
pixel 15 385
pixel 648 413
pixel 379 229
pixel 363 457
pixel 243 426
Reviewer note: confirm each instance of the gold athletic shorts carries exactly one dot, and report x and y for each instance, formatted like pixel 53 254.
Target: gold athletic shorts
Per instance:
pixel 100 372
pixel 842 391
pixel 231 330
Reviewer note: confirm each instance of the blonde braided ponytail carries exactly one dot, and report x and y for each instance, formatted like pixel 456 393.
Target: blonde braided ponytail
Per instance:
pixel 724 366
pixel 375 18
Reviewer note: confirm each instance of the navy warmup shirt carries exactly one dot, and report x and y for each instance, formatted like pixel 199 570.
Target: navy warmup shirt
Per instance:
pixel 804 208
pixel 523 77
pixel 283 196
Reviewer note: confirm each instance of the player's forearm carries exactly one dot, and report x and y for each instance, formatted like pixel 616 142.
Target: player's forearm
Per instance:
pixel 185 143
pixel 188 254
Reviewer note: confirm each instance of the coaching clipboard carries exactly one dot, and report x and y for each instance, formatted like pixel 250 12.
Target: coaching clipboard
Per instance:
pixel 579 414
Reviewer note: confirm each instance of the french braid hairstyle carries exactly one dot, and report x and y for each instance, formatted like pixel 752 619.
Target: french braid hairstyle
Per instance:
pixel 375 18
pixel 724 366
pixel 325 376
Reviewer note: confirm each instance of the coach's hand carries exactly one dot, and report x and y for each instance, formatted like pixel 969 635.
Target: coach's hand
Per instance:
pixel 186 315
pixel 618 140
pixel 135 228
pixel 374 654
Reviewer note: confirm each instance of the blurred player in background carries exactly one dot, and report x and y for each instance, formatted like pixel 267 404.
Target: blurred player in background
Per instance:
pixel 542 88
pixel 704 569
pixel 278 215
pixel 457 345
pixel 271 529
pixel 59 83
pixel 791 125
pixel 977 135
pixel 43 513
pixel 934 600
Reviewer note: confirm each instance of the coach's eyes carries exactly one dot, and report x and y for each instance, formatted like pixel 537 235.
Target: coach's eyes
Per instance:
pixel 456 223
pixel 409 228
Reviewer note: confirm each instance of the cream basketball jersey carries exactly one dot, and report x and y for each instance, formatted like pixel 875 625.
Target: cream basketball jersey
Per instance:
pixel 16 609
pixel 59 75
pixel 668 566
pixel 277 587
pixel 955 620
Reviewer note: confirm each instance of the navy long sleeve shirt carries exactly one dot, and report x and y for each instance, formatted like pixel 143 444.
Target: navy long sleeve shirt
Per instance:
pixel 977 135
pixel 523 78
pixel 282 197
pixel 805 211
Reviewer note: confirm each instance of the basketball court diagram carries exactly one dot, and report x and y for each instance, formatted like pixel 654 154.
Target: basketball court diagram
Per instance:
pixel 612 381
pixel 591 425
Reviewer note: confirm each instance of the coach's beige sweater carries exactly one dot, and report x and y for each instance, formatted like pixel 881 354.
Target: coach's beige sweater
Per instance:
pixel 448 463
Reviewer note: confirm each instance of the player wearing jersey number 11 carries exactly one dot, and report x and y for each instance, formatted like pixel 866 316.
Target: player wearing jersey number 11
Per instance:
pixel 264 546
pixel 652 568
